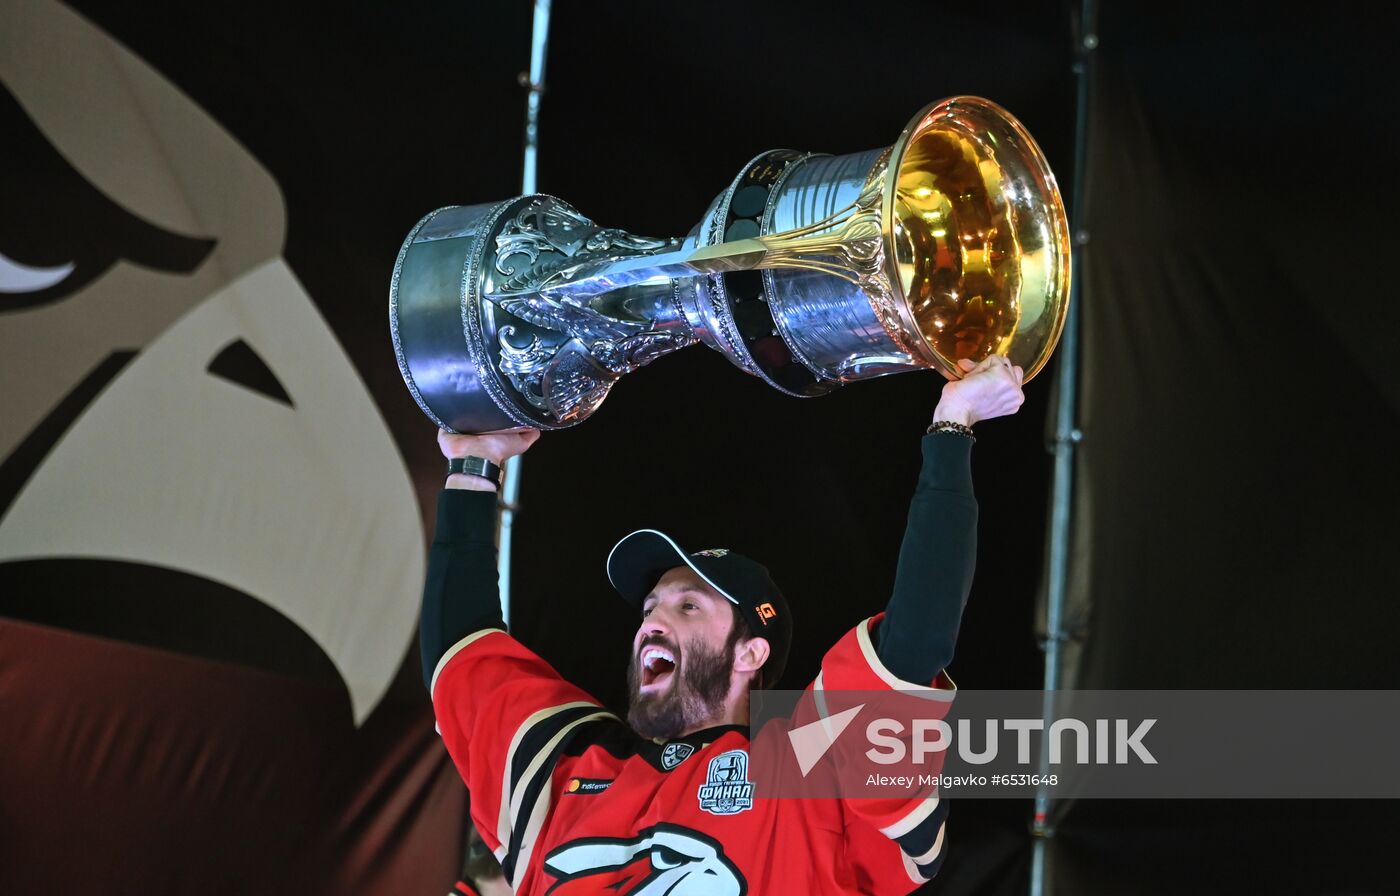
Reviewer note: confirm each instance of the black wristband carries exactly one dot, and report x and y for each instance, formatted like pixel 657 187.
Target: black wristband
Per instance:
pixel 475 466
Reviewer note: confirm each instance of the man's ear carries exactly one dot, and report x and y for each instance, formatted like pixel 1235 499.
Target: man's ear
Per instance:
pixel 751 654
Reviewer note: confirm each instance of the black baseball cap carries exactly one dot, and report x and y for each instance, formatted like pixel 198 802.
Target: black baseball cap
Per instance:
pixel 639 560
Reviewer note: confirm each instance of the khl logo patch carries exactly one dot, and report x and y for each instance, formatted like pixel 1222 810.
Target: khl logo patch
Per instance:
pixel 675 754
pixel 727 790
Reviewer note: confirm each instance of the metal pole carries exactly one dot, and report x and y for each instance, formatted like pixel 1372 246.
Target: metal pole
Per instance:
pixel 534 84
pixel 1067 437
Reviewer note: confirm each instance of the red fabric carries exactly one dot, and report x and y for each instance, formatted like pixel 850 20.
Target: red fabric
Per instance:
pixel 501 708
pixel 218 779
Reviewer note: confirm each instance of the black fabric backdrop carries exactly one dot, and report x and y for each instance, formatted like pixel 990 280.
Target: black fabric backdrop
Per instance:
pixel 1238 496
pixel 1237 503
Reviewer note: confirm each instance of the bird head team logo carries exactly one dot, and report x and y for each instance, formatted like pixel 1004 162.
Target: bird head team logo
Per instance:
pixel 178 418
pixel 664 860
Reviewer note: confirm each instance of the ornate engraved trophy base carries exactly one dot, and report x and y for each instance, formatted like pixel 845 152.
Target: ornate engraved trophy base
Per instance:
pixel 481 349
pixel 808 271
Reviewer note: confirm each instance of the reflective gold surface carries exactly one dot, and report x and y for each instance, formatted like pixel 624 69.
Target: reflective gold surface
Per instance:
pixel 958 240
pixel 977 236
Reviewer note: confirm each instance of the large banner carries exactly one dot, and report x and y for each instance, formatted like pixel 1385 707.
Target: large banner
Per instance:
pixel 210 547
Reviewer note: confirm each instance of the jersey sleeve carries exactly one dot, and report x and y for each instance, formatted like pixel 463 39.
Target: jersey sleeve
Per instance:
pixel 504 714
pixel 460 592
pixel 914 819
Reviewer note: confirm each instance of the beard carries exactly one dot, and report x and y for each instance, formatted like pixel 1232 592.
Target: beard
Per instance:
pixel 695 695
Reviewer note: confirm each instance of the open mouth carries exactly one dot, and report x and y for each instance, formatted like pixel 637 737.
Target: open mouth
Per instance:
pixel 658 665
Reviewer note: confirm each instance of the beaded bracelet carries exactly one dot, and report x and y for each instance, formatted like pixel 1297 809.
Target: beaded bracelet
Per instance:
pixel 949 426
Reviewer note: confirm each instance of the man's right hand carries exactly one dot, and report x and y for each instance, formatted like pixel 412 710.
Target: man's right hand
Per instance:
pixel 496 447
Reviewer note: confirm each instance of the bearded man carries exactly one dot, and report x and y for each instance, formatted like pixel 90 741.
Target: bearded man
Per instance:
pixel 572 800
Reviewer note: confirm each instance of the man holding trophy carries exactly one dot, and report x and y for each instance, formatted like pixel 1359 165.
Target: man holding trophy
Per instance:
pixel 948 250
pixel 525 740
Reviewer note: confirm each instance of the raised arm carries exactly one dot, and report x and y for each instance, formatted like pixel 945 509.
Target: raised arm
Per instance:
pixel 460 594
pixel 499 707
pixel 916 637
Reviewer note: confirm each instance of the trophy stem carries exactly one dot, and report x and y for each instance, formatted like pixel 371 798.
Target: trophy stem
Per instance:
pixel 594 278
pixel 846 244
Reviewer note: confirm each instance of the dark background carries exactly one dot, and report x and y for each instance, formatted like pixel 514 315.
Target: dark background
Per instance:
pixel 1236 514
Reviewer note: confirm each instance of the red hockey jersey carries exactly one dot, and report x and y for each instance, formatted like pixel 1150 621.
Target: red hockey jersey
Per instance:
pixel 572 801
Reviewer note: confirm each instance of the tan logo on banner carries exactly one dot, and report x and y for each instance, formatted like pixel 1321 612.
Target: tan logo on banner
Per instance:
pixel 205 450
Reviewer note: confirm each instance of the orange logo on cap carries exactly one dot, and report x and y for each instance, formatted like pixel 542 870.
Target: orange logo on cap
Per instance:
pixel 766 612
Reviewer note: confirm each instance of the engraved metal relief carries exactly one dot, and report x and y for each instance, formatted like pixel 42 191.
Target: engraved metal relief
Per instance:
pixel 565 316
pixel 524 366
pixel 550 226
pixel 569 375
pixel 639 350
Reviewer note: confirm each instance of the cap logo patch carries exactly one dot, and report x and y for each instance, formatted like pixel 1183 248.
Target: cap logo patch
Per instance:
pixel 766 612
pixel 712 552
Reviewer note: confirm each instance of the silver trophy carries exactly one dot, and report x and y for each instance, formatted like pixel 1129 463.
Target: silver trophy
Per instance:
pixel 809 271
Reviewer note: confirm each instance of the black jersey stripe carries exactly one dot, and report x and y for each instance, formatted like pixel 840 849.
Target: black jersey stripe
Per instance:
pixel 534 786
pixel 920 839
pixel 928 870
pixel 534 739
pixel 932 862
pixel 619 741
pixel 524 760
